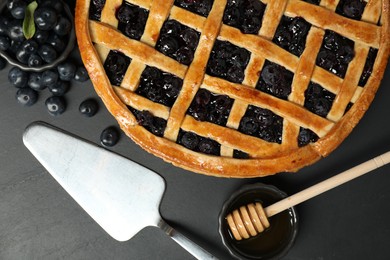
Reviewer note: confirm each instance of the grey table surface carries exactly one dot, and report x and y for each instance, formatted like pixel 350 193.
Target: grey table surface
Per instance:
pixel 39 220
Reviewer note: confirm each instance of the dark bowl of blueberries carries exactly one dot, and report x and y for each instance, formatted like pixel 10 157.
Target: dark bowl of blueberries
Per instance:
pixel 36 35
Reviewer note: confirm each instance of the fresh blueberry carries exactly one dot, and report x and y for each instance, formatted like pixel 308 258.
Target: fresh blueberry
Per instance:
pixel 41 36
pixel 56 5
pixel 5 43
pixel 57 42
pixel 22 56
pixel 66 71
pixel 45 18
pixel 34 60
pixel 4 25
pixel 81 74
pixel 3 63
pixel 47 53
pixel 55 105
pixel 18 8
pixel 18 77
pixel 49 77
pixel 15 30
pixel 59 88
pixel 26 96
pixel 35 81
pixel 89 107
pixel 29 46
pixel 109 136
pixel 63 26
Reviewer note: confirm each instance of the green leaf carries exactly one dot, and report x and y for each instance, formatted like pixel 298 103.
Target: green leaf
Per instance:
pixel 28 22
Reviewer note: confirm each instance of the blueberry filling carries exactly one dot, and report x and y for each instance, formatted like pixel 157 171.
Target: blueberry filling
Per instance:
pixel 155 125
pixel 240 154
pixel 336 53
pixel 201 7
pixel 262 123
pixel 318 100
pixel 245 15
pixel 159 86
pixel 132 20
pixel 178 41
pixel 198 143
pixel 95 9
pixel 291 34
pixel 306 136
pixel 207 106
pixel 275 80
pixel 314 2
pixel 349 106
pixel 116 66
pixel 351 8
pixel 228 61
pixel 368 66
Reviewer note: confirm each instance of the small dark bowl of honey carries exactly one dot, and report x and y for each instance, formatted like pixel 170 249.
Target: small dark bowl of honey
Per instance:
pixel 276 240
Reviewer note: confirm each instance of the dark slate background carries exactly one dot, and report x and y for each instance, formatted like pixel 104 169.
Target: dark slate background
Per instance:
pixel 38 220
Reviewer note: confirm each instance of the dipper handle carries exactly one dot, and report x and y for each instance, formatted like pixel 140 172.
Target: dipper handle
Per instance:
pixel 328 184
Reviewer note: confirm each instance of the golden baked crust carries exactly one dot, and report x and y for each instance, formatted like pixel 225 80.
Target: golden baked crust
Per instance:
pixel 97 38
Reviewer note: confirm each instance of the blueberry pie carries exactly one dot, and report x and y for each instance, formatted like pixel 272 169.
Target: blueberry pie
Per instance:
pixel 235 88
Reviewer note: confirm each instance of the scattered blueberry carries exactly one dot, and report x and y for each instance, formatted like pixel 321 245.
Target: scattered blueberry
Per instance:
pixel 81 74
pixel 18 77
pixel 50 77
pixel 109 136
pixel 89 107
pixel 26 96
pixel 55 105
pixel 59 88
pixel 35 81
pixel 66 70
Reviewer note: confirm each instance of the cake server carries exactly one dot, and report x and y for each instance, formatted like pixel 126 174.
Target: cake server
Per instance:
pixel 122 196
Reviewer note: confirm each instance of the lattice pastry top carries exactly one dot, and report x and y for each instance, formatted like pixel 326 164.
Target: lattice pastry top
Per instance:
pixel 235 88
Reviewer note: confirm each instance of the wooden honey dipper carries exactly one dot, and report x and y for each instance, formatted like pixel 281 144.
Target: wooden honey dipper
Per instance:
pixel 252 219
